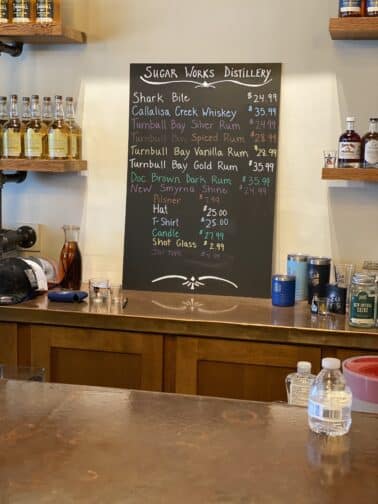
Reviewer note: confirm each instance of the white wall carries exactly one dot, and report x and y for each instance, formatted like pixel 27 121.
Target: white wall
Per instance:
pixel 323 82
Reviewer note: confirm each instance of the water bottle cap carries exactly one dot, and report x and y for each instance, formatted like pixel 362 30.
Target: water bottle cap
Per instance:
pixel 304 366
pixel 331 363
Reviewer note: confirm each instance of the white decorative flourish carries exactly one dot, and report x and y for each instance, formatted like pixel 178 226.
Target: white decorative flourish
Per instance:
pixel 193 306
pixel 193 282
pixel 205 84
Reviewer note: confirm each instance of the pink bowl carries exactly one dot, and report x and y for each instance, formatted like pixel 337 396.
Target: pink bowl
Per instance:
pixel 361 375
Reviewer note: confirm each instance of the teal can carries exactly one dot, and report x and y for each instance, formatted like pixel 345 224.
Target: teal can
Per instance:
pixel 297 266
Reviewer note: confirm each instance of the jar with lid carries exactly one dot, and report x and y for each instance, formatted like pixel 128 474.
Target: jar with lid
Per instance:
pixel 363 301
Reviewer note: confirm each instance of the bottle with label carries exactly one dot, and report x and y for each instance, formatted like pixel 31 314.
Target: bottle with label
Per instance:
pixel 45 11
pixel 330 401
pixel 35 137
pixel 21 11
pixel 298 384
pixel 371 8
pixel 58 133
pixel 349 8
pixel 349 146
pixel 4 11
pixel 70 263
pixel 74 139
pixel 3 119
pixel 12 133
pixel 363 301
pixel 369 145
pixel 26 111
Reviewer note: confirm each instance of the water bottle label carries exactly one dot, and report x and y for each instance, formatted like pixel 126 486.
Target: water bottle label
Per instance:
pixel 320 412
pixel 299 394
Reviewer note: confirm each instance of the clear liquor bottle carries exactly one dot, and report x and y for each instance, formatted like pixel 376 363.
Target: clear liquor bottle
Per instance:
pixel 298 384
pixel 3 119
pixel 370 145
pixel 58 133
pixel 75 134
pixel 349 146
pixel 12 135
pixel 35 137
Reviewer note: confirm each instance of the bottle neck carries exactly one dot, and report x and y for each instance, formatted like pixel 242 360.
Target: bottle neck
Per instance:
pixel 36 110
pixel 3 110
pixel 59 112
pixel 373 127
pixel 350 125
pixel 13 112
pixel 26 113
pixel 47 110
pixel 70 111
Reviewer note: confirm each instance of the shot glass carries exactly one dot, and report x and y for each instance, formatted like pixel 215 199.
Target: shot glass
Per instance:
pixel 99 290
pixel 329 157
pixel 116 294
pixel 343 274
pixel 322 306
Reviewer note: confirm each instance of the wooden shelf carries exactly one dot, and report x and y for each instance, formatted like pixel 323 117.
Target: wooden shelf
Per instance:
pixel 36 33
pixel 358 174
pixel 354 28
pixel 43 165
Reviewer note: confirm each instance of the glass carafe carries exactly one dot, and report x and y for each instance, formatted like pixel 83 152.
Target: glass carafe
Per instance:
pixel 70 259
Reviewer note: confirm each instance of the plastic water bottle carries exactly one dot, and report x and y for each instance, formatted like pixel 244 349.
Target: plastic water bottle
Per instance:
pixel 330 402
pixel 298 384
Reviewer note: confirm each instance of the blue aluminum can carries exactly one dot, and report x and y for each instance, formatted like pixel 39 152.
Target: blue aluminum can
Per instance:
pixel 297 266
pixel 283 290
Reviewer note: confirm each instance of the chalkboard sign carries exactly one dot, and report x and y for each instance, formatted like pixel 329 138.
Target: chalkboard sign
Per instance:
pixel 201 178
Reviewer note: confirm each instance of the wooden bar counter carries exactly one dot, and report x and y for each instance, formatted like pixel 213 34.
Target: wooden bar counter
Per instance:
pixel 64 443
pixel 240 348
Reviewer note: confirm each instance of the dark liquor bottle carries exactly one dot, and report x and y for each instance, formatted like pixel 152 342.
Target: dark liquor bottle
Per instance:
pixel 371 8
pixel 349 146
pixel 349 8
pixel 370 145
pixel 70 263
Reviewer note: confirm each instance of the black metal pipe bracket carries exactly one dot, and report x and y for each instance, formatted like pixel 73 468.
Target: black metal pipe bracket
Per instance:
pixel 13 49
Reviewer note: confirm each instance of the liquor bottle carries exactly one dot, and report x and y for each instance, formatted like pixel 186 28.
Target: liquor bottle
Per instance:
pixel 3 119
pixel 330 402
pixel 298 384
pixel 370 145
pixel 349 8
pixel 371 9
pixel 4 11
pixel 12 134
pixel 70 262
pixel 21 11
pixel 26 112
pixel 47 115
pixel 74 139
pixel 349 146
pixel 58 133
pixel 35 137
pixel 45 11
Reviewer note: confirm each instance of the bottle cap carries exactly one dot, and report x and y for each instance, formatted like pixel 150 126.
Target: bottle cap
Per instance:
pixel 331 363
pixel 304 366
pixel 350 119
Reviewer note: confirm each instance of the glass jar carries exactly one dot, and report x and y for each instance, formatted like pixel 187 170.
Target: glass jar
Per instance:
pixel 70 259
pixel 363 301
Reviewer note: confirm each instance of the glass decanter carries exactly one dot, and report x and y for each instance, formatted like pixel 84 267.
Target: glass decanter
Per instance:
pixel 70 264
